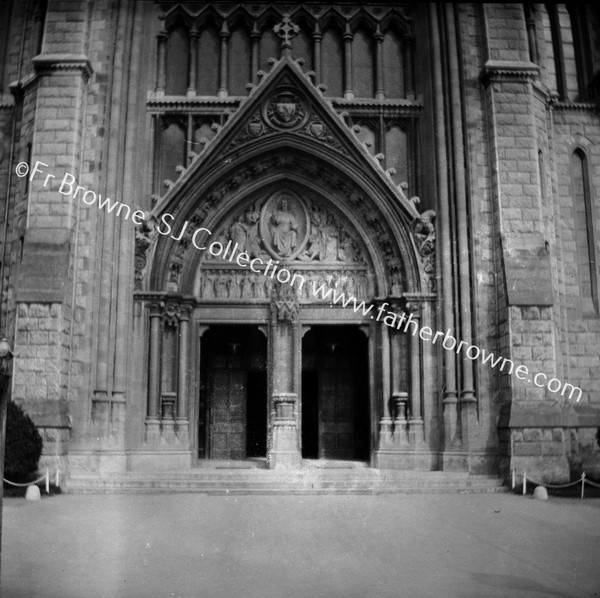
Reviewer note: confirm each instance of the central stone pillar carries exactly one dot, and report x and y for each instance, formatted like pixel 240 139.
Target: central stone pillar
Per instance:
pixel 284 445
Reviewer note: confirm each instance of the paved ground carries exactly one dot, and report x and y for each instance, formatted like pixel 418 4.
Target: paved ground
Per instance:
pixel 441 546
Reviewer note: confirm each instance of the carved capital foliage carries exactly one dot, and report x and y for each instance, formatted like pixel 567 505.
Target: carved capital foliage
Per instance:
pixel 170 311
pixel 401 304
pixel 284 303
pixel 185 312
pixel 155 309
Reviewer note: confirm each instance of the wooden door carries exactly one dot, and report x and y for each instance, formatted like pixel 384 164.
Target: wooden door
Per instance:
pixel 227 400
pixel 336 417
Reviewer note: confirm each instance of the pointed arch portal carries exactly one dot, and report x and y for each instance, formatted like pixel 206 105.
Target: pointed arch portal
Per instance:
pixel 270 259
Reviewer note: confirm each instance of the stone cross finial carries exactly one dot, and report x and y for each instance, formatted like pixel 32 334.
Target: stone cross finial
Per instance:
pixel 286 31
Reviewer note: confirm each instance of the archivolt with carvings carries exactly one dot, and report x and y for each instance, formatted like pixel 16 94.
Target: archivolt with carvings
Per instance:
pixel 326 241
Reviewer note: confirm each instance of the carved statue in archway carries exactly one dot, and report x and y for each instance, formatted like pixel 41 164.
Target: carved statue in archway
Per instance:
pixel 283 227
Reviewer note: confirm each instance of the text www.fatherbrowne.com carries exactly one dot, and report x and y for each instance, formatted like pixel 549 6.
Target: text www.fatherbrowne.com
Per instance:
pixel 69 187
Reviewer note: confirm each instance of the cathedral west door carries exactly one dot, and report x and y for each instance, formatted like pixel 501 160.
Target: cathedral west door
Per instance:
pixel 276 270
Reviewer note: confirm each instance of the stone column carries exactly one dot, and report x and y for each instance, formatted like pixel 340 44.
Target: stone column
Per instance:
pixel 193 73
pixel 182 370
pixel 385 437
pixel 429 394
pixel 416 418
pixel 348 93
pixel 399 397
pixel 152 418
pixel 409 69
pixel 255 37
pixel 450 398
pixel 468 400
pixel 224 62
pixel 161 64
pixel 386 419
pixel 284 450
pixel 317 37
pixel 379 87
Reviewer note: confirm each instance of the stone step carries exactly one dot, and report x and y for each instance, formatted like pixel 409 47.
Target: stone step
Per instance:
pixel 368 481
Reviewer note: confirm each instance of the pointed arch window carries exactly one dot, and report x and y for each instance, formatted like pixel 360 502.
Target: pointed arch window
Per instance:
pixel 208 64
pixel 584 233
pixel 362 64
pixel 178 56
pixel 239 61
pixel 393 65
pixel 333 63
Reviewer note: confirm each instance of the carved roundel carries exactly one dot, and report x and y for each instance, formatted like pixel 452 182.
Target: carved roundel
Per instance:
pixel 284 225
pixel 286 109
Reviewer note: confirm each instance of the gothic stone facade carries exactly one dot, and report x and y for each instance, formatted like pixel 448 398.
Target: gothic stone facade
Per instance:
pixel 437 161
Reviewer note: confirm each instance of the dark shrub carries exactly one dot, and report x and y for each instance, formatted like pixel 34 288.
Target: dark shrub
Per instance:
pixel 23 445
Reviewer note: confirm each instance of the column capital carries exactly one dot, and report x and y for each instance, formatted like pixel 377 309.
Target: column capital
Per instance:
pixel 156 309
pixel 224 33
pixel 348 35
pixel 378 36
pixel 184 312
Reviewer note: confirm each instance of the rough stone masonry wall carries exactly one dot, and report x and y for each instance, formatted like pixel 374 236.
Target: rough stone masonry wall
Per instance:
pixel 88 241
pixel 21 116
pixel 577 128
pixel 39 384
pixel 53 278
pixel 572 124
pixel 581 350
pixel 527 328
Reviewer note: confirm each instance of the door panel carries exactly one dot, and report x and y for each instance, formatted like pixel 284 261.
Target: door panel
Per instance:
pixel 228 414
pixel 335 400
pixel 310 415
pixel 337 414
pixel 256 414
pixel 232 416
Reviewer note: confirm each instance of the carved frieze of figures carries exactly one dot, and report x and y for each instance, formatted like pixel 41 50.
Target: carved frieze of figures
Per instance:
pixel 241 284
